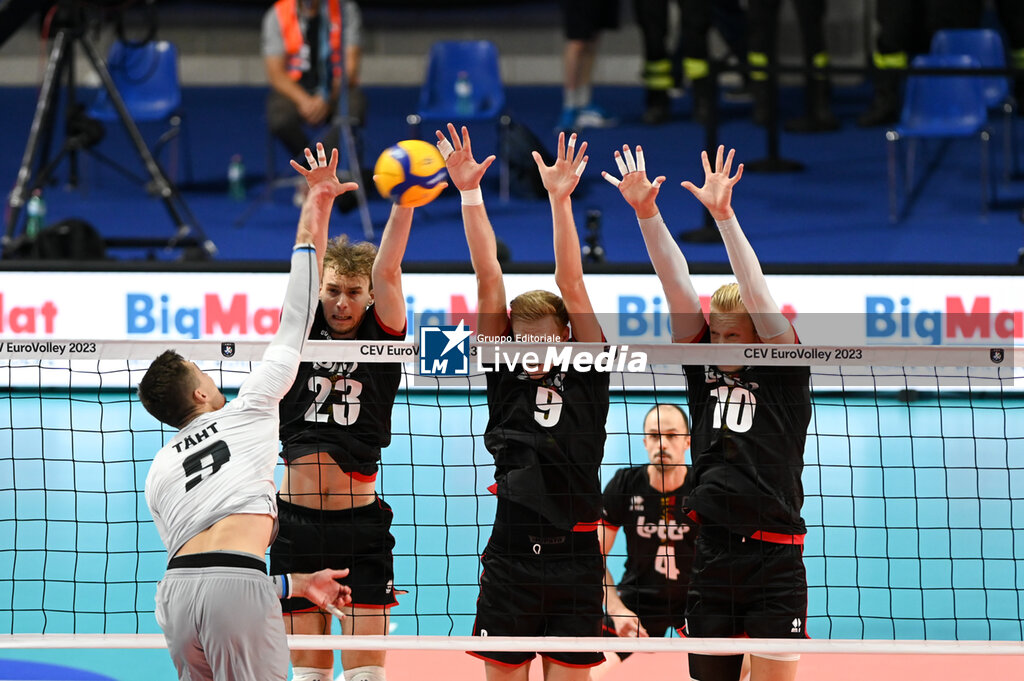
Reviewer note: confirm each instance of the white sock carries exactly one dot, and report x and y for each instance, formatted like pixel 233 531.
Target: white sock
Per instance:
pixel 312 674
pixel 368 673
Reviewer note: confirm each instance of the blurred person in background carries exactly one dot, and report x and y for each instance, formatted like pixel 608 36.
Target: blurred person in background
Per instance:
pixel 764 34
pixel 660 73
pixel 583 21
pixel 303 43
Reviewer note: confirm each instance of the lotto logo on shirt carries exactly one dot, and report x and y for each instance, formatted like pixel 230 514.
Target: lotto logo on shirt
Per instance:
pixel 444 350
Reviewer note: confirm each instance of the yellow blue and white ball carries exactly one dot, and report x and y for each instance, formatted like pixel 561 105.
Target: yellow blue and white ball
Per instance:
pixel 411 173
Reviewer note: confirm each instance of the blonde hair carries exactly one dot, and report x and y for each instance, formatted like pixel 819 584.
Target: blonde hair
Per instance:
pixel 350 259
pixel 727 299
pixel 534 305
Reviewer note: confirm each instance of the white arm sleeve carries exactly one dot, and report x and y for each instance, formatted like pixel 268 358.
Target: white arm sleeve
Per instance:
pixel 275 375
pixel 768 319
pixel 672 270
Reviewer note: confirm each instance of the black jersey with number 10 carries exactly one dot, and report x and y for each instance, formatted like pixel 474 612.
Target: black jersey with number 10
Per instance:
pixel 748 433
pixel 342 408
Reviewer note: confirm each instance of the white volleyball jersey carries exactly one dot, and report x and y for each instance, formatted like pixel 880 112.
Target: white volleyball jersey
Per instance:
pixel 222 462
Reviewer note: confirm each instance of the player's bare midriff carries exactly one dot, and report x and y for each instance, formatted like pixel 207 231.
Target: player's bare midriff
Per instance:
pixel 246 532
pixel 315 481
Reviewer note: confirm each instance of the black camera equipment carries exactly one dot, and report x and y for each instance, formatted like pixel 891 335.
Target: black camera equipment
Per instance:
pixel 592 249
pixel 81 133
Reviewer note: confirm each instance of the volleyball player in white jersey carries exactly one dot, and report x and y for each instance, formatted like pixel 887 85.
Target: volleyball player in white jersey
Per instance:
pixel 211 488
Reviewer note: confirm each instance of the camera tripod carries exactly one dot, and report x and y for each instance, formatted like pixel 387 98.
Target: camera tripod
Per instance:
pixel 37 165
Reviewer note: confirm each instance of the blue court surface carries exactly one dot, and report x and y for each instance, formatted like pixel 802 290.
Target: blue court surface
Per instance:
pixel 911 508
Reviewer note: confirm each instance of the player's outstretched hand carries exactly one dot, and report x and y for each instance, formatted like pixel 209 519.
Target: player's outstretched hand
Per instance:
pixel 562 177
pixel 716 194
pixel 463 169
pixel 322 589
pixel 627 624
pixel 323 173
pixel 639 192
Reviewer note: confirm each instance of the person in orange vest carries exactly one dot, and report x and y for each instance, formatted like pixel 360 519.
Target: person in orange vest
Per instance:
pixel 303 42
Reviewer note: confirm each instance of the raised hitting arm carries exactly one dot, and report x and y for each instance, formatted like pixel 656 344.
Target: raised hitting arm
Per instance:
pixel 324 187
pixel 669 264
pixel 716 195
pixel 465 174
pixel 560 180
pixel 274 377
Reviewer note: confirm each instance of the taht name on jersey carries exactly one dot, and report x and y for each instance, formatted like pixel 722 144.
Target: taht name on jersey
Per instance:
pixel 194 439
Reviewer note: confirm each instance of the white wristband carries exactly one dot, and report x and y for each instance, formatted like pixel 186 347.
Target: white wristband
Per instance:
pixel 284 586
pixel 472 197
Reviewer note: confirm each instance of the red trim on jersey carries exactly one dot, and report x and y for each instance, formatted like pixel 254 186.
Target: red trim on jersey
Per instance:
pixel 612 526
pixel 778 537
pixel 569 664
pixel 507 665
pixel 493 489
pixel 361 477
pixel 587 526
pixel 387 328
pixel 762 535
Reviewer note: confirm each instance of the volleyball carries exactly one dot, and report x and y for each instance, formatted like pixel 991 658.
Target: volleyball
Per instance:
pixel 411 173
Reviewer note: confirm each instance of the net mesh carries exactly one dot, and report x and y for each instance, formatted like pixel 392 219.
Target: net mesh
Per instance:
pixel 913 481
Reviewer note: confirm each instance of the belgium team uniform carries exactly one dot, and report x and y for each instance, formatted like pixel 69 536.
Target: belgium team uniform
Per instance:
pixel 344 410
pixel 660 544
pixel 542 568
pixel 748 433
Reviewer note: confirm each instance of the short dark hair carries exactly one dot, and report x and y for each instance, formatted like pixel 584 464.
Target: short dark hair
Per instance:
pixel 682 413
pixel 166 389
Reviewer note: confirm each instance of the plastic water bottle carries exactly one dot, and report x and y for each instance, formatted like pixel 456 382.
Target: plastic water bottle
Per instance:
pixel 35 211
pixel 463 94
pixel 236 178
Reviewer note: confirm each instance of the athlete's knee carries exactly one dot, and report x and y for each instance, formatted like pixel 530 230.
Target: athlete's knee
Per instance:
pixel 778 657
pixel 370 673
pixel 312 674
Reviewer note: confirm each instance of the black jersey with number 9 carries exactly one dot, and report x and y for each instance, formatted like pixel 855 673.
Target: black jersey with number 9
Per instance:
pixel 547 437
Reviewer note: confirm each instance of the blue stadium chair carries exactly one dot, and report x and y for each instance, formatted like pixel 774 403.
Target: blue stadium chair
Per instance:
pixel 477 61
pixel 986 45
pixel 940 107
pixel 146 76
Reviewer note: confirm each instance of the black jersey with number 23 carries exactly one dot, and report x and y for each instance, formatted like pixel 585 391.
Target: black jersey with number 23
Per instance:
pixel 342 408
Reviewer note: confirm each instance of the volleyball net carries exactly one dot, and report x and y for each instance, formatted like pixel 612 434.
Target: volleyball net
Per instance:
pixel 913 480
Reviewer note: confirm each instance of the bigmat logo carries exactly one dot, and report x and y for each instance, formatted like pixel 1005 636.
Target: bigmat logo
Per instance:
pixel 147 314
pixel 30 320
pixel 887 323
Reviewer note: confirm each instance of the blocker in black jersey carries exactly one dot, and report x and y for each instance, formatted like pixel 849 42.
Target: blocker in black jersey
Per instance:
pixel 748 432
pixel 342 408
pixel 660 543
pixel 540 577
pixel 547 437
